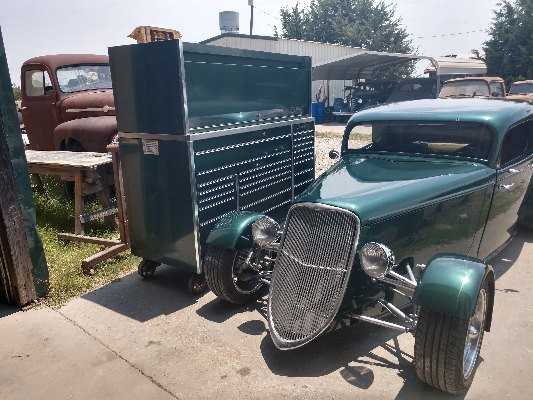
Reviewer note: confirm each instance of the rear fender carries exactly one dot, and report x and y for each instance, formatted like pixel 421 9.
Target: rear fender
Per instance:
pixel 234 231
pixel 450 284
pixel 93 133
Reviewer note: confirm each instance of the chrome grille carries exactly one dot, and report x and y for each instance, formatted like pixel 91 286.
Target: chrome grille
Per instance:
pixel 311 272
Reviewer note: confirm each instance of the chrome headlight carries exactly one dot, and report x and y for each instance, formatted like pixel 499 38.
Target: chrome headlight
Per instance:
pixel 376 259
pixel 265 231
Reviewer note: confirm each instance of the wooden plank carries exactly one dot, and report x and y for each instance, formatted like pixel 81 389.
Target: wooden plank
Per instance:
pixel 88 239
pixel 67 158
pixel 88 264
pixel 78 204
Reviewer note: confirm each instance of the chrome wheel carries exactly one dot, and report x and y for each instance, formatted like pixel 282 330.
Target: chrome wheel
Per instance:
pixel 245 278
pixel 474 335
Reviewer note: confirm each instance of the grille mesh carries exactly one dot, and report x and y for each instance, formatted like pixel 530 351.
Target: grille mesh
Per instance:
pixel 311 272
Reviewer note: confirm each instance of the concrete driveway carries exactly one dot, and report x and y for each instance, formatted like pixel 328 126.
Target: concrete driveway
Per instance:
pixel 151 340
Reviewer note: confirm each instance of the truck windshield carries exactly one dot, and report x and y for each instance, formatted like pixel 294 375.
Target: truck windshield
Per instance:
pixel 521 88
pixel 461 139
pixel 465 89
pixel 76 78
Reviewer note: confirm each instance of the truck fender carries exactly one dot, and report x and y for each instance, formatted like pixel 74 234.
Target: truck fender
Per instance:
pixel 93 133
pixel 234 230
pixel 450 284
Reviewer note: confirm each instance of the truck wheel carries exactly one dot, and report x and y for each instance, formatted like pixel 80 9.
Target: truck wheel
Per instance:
pixel 447 348
pixel 228 277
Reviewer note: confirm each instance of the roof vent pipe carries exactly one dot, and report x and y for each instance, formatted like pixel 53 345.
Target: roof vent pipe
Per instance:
pixel 228 22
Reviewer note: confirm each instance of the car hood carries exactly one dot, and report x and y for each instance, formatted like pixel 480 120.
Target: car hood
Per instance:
pixel 379 186
pixel 90 103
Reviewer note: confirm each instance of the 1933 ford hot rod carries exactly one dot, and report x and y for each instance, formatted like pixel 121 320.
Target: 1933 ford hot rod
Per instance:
pixel 410 219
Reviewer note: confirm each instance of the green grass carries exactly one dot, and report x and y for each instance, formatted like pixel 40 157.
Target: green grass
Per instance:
pixel 55 214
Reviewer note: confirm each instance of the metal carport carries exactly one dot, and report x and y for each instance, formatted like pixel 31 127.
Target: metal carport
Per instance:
pixel 362 66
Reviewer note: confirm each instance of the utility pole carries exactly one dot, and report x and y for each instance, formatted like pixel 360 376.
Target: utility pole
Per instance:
pixel 251 4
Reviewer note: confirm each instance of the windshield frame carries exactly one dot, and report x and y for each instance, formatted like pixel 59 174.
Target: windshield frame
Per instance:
pixel 367 149
pixel 81 86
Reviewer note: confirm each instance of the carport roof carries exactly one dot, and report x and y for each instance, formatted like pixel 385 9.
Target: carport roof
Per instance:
pixel 362 65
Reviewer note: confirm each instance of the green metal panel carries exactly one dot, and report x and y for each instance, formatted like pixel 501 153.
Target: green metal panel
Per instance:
pixel 450 284
pixel 159 202
pixel 21 176
pixel 259 170
pixel 148 87
pixel 163 89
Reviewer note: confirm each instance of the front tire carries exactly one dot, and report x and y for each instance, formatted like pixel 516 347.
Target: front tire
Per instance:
pixel 228 277
pixel 447 348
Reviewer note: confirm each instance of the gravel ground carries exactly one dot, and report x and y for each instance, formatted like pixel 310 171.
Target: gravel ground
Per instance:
pixel 326 141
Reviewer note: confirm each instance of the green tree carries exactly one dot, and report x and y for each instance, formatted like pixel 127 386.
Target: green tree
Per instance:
pixel 359 23
pixel 16 92
pixel 509 51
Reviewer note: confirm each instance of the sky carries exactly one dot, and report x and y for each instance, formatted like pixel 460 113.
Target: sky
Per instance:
pixel 37 27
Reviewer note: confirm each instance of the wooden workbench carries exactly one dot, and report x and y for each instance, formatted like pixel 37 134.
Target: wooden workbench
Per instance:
pixel 87 170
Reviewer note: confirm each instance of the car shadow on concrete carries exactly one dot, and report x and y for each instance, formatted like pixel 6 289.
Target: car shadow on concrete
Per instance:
pixel 504 260
pixel 144 299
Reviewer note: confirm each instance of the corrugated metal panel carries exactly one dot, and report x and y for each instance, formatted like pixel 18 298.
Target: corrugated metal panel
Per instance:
pixel 319 52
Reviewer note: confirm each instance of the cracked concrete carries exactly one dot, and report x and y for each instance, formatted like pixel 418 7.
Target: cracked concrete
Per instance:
pixel 151 340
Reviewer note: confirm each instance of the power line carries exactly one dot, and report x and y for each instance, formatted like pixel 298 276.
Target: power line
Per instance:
pixel 450 34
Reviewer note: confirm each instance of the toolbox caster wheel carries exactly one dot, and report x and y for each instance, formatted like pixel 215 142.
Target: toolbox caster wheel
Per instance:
pixel 147 268
pixel 197 284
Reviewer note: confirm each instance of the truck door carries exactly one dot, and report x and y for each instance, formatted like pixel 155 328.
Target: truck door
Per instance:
pixel 38 107
pixel 512 183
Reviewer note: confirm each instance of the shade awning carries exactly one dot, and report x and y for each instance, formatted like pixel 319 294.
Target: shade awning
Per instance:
pixel 362 65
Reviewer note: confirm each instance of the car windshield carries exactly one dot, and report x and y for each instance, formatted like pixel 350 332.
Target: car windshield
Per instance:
pixel 459 139
pixel 521 88
pixel 84 77
pixel 465 89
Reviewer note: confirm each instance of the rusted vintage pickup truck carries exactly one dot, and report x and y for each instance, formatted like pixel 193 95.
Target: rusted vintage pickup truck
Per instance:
pixel 67 102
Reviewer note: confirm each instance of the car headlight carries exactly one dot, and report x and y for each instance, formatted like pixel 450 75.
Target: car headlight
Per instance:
pixel 376 259
pixel 265 231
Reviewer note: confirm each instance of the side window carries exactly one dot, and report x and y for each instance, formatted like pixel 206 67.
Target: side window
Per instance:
pixel 517 143
pixel 37 82
pixel 496 89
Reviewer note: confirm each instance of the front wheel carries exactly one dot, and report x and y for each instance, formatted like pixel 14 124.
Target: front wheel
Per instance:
pixel 447 348
pixel 229 276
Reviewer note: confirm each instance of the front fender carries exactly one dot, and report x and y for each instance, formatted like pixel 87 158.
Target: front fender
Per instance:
pixel 234 231
pixel 93 133
pixel 451 283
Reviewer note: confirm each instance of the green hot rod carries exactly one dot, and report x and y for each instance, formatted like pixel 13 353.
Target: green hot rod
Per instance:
pixel 404 226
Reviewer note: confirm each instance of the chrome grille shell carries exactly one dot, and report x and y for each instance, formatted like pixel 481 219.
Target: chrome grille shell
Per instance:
pixel 311 272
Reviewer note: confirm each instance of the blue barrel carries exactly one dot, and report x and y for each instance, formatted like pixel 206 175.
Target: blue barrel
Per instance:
pixel 318 110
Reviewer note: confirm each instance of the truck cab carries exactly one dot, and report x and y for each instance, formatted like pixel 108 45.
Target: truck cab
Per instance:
pixel 67 102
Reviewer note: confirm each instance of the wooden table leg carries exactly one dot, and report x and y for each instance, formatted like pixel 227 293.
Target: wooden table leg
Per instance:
pixel 78 203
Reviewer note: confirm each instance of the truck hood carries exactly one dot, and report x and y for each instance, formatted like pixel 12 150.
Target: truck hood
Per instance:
pixel 379 186
pixel 90 103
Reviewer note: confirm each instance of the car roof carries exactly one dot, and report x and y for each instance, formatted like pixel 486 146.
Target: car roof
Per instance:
pixel 496 113
pixel 57 60
pixel 521 82
pixel 477 78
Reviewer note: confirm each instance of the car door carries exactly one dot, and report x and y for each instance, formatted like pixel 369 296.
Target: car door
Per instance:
pixel 38 107
pixel 512 182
